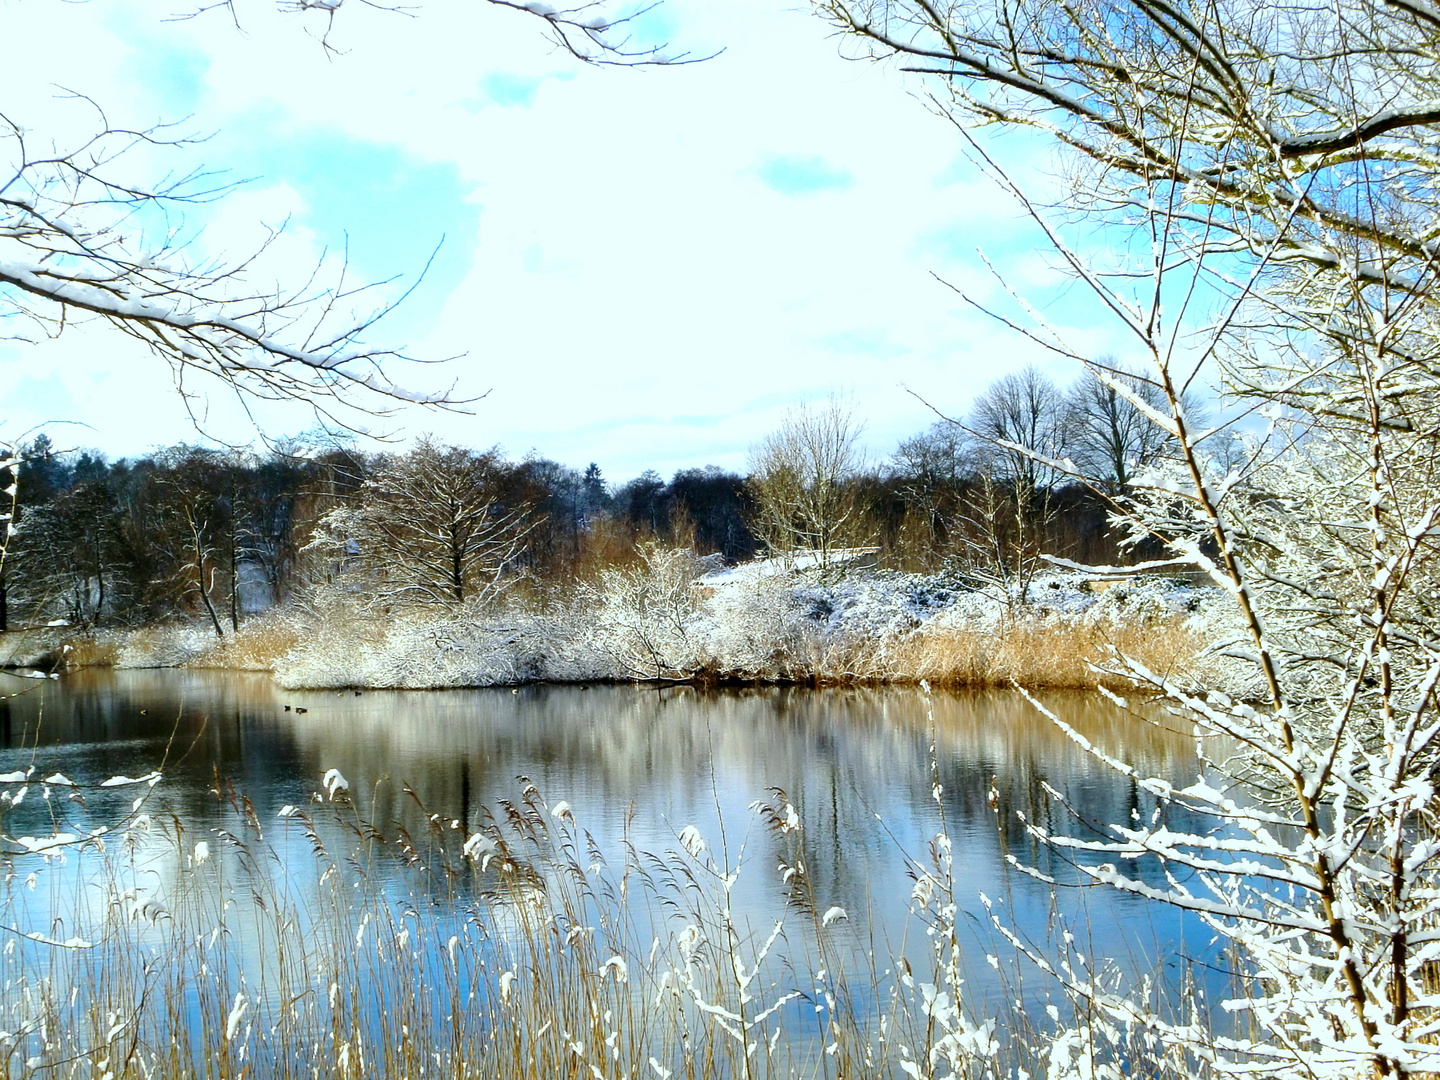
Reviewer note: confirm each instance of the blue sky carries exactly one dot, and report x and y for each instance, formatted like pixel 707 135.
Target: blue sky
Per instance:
pixel 637 268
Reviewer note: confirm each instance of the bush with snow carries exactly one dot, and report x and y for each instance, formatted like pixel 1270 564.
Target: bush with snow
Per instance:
pixel 435 649
pixel 167 644
pixel 670 615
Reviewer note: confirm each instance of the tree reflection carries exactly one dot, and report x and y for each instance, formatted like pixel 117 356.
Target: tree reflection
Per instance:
pixel 641 764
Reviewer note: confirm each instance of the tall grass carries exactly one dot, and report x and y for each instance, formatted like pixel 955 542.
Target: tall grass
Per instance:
pixel 1037 653
pixel 1040 654
pixel 257 645
pixel 319 944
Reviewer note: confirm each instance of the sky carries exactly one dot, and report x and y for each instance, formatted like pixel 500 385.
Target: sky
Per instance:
pixel 640 268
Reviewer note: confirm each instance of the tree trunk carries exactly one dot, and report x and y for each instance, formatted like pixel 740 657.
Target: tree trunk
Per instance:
pixel 457 566
pixel 234 587
pixel 203 585
pixel 99 582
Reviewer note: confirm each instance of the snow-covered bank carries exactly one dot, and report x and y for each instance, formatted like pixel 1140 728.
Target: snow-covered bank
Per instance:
pixel 33 647
pixel 666 619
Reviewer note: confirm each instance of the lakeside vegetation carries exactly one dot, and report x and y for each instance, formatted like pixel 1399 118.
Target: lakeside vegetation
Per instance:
pixel 443 566
pixel 207 934
pixel 965 645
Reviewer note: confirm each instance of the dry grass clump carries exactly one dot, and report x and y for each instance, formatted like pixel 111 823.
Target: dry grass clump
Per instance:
pixel 258 645
pixel 1035 652
pixel 99 650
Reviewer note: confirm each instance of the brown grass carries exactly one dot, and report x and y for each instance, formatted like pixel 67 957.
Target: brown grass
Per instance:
pixel 86 652
pixel 1039 654
pixel 257 646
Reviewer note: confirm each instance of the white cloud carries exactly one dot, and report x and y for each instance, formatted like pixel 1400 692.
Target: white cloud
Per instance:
pixel 637 294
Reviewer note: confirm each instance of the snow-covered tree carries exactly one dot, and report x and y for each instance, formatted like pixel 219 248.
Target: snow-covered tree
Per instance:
pixel 67 554
pixel 1277 164
pixel 803 476
pixel 433 526
pixel 10 464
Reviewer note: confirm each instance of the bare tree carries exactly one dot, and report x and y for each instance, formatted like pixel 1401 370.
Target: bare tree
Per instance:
pixel 194 527
pixel 942 457
pixel 1107 434
pixel 931 472
pixel 1023 410
pixel 430 527
pixel 74 244
pixel 802 477
pixel 1020 423
pixel 1278 163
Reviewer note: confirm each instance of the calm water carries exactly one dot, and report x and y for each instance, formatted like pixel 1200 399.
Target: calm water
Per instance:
pixel 645 763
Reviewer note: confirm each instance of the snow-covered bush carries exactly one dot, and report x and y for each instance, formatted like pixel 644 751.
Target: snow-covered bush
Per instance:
pixel 758 628
pixel 644 617
pixel 348 645
pixel 167 644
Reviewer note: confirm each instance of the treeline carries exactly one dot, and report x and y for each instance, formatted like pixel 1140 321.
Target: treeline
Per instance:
pixel 218 534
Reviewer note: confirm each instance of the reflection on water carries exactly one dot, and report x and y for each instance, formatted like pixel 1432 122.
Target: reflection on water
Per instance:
pixel 645 763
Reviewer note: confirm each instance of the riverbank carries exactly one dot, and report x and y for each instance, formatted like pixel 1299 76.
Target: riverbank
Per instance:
pixel 661 622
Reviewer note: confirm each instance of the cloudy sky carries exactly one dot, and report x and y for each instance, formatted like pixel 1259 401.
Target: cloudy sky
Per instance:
pixel 641 268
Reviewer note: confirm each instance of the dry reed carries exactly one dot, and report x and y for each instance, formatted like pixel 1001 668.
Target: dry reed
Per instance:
pixel 1035 652
pixel 258 644
pixel 322 945
pixel 513 952
pixel 1042 654
pixel 92 651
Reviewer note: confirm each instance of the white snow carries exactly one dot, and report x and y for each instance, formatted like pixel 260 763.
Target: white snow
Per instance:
pixel 764 620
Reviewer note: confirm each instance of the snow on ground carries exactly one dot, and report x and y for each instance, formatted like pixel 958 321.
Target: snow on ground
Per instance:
pixel 678 617
pixel 879 602
pixel 839 560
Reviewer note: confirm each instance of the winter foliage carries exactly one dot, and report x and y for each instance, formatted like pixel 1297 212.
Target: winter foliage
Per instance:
pixel 1277 168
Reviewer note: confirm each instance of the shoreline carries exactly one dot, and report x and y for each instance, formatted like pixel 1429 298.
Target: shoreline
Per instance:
pixel 1034 653
pixel 869 628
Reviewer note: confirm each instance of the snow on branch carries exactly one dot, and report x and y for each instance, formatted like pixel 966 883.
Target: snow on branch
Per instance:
pixel 588 33
pixel 79 240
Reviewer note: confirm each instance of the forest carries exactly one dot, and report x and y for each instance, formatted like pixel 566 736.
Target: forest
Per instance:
pixel 217 535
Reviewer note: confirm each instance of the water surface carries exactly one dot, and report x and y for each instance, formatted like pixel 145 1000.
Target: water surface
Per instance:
pixel 644 763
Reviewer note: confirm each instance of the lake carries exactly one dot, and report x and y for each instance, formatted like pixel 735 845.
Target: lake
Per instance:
pixel 638 765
